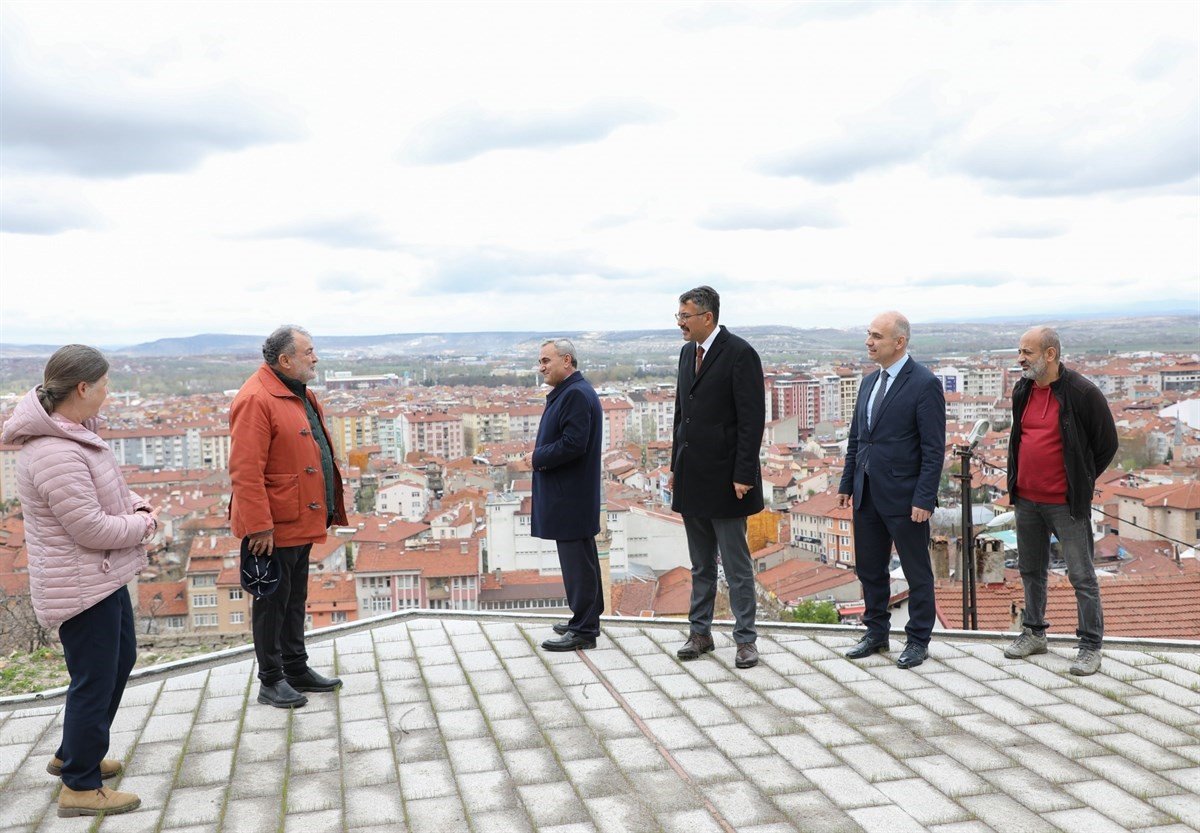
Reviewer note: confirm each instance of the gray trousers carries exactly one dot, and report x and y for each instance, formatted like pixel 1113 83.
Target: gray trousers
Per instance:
pixel 706 538
pixel 1035 523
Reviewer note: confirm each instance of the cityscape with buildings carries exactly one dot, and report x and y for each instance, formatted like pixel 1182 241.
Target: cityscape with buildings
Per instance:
pixel 441 495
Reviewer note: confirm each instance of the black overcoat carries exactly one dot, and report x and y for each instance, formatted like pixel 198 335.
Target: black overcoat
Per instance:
pixel 719 420
pixel 566 463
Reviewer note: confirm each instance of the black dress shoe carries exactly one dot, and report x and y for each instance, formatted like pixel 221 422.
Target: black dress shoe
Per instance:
pixel 912 656
pixel 570 641
pixel 312 681
pixel 866 646
pixel 281 696
pixel 561 628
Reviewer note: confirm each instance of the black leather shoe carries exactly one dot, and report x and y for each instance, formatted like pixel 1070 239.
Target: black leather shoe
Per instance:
pixel 312 681
pixel 912 656
pixel 570 641
pixel 281 696
pixel 866 646
pixel 561 628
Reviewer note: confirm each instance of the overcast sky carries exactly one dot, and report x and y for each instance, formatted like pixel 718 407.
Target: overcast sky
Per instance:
pixel 180 168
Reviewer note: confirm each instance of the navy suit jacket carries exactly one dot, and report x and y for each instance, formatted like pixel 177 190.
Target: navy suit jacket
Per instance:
pixel 719 420
pixel 904 450
pixel 566 463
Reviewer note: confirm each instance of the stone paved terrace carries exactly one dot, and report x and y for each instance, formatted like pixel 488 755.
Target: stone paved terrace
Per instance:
pixel 454 722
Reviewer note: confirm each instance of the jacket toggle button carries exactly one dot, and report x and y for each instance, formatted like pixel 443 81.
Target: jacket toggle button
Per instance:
pixel 314 505
pixel 304 432
pixel 309 470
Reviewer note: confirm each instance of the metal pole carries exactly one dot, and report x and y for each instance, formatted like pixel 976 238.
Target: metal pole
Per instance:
pixel 967 543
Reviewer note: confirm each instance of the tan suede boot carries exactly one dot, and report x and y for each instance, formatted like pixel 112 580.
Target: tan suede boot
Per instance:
pixel 94 802
pixel 109 768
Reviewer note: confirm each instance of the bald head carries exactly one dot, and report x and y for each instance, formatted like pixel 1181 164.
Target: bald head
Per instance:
pixel 1039 354
pixel 887 338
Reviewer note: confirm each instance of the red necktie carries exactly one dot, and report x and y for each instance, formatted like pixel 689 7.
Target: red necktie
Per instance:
pixel 699 358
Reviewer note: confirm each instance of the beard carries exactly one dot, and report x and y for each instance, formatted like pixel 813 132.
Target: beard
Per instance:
pixel 1036 370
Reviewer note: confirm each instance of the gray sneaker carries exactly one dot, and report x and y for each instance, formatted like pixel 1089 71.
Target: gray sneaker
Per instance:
pixel 1027 644
pixel 1087 662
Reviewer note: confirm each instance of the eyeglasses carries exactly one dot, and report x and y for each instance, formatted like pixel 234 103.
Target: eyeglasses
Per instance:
pixel 681 317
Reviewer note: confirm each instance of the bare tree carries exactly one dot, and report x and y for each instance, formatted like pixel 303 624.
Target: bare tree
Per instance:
pixel 19 627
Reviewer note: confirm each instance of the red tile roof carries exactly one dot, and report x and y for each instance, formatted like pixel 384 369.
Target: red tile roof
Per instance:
pixel 1159 606
pixel 171 601
pixel 797 579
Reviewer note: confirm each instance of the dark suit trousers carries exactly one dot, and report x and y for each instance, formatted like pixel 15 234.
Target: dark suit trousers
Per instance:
pixel 278 620
pixel 874 535
pixel 706 537
pixel 581 576
pixel 100 646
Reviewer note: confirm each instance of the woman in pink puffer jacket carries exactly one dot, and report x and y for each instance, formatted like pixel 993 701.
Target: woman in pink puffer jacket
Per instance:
pixel 85 533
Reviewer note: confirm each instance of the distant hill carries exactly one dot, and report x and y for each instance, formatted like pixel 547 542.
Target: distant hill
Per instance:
pixel 1172 333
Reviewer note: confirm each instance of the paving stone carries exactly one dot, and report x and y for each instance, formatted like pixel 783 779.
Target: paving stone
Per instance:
pixel 888 819
pixel 595 777
pixel 470 723
pixel 26 807
pixel 513 821
pixel 1141 751
pixel 611 723
pixel 688 821
pixel 676 733
pixel 548 714
pixel 309 822
pixel 898 741
pixel 845 787
pixel 705 765
pixel 871 763
pixel 1080 720
pixel 197 805
pixel 1186 778
pixel 680 686
pixel 1116 804
pixel 990 729
pixel 473 754
pixel 1184 807
pixel 358 706
pixel 650 704
pixel 436 815
pixel 313 792
pixel 1060 738
pixel 533 766
pixel 315 726
pixel 971 752
pixel 818 686
pixel 961 827
pixel 552 804
pixel 742 804
pixel 842 670
pixel 1169 691
pixel 1083 820
pixel 257 779
pixel 922 801
pixel 817 812
pixel 621 814
pixel 831 730
pixel 1037 676
pixel 1169 713
pixel 1031 790
pixel 481 791
pixel 773 774
pixel 1004 814
pixel 369 769
pixel 201 768
pixel 573 742
pixel 958 684
pixel 794 701
pixel 736 740
pixel 260 745
pixel 426 779
pixel 1153 730
pixel 374 807
pixel 879 694
pixel 707 712
pixel 976 669
pixel 634 754
pixel 1048 763
pixel 921 721
pixel 167 728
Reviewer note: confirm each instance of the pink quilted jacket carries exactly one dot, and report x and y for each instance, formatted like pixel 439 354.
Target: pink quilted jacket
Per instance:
pixel 81 530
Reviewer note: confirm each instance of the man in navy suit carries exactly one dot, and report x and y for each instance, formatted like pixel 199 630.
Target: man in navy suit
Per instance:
pixel 566 490
pixel 716 481
pixel 893 466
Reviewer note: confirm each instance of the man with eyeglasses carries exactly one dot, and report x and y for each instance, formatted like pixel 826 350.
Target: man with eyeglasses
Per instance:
pixel 716 482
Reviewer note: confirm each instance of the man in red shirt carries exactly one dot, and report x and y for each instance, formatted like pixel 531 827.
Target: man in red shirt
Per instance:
pixel 1063 435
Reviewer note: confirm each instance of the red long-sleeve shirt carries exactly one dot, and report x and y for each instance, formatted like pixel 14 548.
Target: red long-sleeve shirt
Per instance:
pixel 1041 470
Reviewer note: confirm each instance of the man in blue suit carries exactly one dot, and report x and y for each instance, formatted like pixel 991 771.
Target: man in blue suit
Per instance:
pixel 893 465
pixel 566 490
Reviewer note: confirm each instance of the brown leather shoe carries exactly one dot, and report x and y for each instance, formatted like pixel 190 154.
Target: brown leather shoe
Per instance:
pixel 108 767
pixel 747 655
pixel 696 645
pixel 94 802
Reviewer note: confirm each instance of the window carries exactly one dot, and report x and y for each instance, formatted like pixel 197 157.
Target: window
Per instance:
pixel 235 595
pixel 204 620
pixel 206 580
pixel 177 622
pixel 381 605
pixel 237 617
pixel 204 600
pixel 339 616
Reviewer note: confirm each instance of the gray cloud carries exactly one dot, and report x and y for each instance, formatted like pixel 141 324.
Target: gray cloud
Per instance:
pixel 707 16
pixel 741 217
pixel 469 131
pixel 980 279
pixel 41 215
pixel 346 282
pixel 98 125
pixel 346 232
pixel 492 268
pixel 1028 230
pixel 1107 154
pixel 1161 58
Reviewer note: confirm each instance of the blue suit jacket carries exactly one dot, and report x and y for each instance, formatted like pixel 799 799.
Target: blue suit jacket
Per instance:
pixel 566 463
pixel 904 450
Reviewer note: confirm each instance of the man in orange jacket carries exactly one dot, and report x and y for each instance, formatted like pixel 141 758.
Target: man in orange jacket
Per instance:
pixel 287 492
